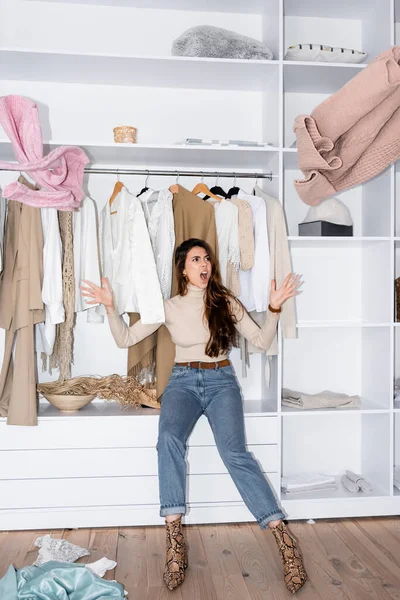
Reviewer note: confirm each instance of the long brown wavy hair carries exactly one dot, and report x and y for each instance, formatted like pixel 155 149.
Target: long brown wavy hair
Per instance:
pixel 217 308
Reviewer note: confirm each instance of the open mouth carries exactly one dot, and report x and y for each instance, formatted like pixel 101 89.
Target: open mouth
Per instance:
pixel 204 276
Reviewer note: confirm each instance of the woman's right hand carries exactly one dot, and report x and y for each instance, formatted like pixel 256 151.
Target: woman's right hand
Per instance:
pixel 98 295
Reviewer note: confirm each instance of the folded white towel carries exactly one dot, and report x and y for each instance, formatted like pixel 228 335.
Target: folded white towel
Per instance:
pixel 304 482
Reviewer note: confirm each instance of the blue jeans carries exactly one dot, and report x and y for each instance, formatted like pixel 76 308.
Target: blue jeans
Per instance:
pixel 190 393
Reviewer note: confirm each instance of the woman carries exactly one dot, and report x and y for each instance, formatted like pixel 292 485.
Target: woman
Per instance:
pixel 203 320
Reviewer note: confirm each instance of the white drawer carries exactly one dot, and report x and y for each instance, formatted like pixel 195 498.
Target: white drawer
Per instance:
pixel 114 462
pixel 119 432
pixel 113 491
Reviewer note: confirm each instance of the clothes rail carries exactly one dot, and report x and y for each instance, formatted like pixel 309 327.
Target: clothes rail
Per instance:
pixel 167 173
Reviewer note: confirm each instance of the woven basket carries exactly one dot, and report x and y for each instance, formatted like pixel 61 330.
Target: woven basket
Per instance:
pixel 125 134
pixel 69 403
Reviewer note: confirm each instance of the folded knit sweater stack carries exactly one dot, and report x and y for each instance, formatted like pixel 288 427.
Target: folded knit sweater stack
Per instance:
pixel 354 134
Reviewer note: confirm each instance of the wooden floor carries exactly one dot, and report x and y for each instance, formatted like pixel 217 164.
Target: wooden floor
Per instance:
pixel 352 559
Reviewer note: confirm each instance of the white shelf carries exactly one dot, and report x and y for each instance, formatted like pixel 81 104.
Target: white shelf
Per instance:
pixel 366 408
pixel 103 408
pixel 331 495
pixel 319 324
pixel 233 6
pixel 316 8
pixel 135 70
pixel 317 78
pixel 166 155
pixel 334 242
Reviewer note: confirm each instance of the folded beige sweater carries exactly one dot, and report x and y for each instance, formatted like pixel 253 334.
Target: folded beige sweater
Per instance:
pixel 354 134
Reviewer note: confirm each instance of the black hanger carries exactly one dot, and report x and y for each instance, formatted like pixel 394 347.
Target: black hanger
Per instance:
pixel 145 189
pixel 217 190
pixel 234 190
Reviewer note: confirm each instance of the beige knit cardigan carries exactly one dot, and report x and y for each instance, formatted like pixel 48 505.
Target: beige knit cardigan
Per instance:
pixel 354 134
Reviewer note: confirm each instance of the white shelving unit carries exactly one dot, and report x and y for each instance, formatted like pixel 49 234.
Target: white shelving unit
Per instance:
pixel 86 80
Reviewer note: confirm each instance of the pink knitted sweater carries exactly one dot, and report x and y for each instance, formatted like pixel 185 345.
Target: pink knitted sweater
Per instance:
pixel 353 135
pixel 60 173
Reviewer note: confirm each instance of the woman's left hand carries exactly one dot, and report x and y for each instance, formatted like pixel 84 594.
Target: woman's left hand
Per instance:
pixel 288 289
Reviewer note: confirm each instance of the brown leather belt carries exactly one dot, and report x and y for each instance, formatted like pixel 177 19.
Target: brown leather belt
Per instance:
pixel 205 365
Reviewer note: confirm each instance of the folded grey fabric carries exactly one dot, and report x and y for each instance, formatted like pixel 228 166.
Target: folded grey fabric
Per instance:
pixel 359 480
pixel 324 399
pixel 349 484
pixel 208 41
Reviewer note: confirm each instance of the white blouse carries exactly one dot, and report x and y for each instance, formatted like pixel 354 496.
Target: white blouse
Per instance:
pixel 127 259
pixel 157 207
pixel 86 256
pixel 52 288
pixel 254 283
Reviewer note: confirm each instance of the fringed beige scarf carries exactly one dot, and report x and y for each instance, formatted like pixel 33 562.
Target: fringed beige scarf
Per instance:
pixel 62 356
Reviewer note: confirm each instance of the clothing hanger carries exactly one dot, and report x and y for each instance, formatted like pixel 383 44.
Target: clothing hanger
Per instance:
pixel 145 189
pixel 217 190
pixel 174 188
pixel 26 183
pixel 255 185
pixel 117 188
pixel 234 190
pixel 201 188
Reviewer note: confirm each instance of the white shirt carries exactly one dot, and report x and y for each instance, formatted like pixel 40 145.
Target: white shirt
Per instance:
pixel 86 256
pixel 52 288
pixel 227 225
pixel 254 283
pixel 127 259
pixel 157 207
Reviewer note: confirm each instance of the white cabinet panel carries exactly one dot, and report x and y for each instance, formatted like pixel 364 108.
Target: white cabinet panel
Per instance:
pixel 112 491
pixel 116 462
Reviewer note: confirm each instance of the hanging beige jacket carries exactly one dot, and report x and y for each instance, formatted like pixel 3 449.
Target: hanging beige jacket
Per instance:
pixel 193 218
pixel 21 307
pixel 280 267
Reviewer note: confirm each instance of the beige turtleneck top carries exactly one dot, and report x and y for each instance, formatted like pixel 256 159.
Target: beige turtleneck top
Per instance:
pixel 189 332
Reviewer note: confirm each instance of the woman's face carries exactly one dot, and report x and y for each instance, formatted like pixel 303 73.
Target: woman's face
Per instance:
pixel 198 267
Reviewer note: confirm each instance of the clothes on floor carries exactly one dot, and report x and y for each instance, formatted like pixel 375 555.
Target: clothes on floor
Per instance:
pixel 59 580
pixel 59 174
pixel 86 256
pixel 307 482
pixel 189 332
pixel 193 218
pixel 215 393
pixel 21 307
pixel 324 399
pixel 127 259
pixel 354 134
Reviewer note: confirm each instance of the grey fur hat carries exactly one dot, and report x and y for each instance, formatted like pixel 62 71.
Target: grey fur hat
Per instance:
pixel 208 41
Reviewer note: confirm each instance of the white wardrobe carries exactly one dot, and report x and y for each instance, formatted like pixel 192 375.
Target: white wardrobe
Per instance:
pixel 94 64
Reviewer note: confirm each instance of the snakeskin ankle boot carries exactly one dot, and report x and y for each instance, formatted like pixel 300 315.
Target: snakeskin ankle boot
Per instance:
pixel 176 558
pixel 295 573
